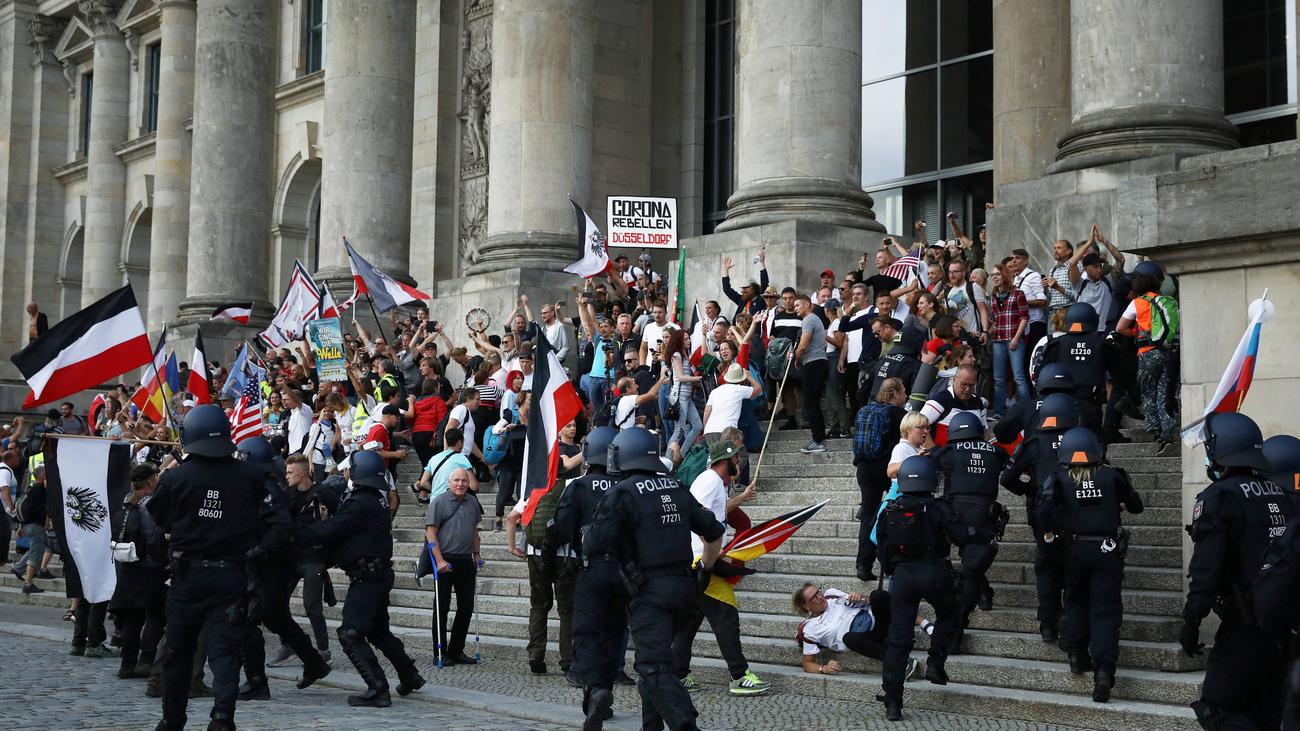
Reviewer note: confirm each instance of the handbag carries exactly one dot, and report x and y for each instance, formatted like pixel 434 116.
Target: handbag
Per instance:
pixel 124 551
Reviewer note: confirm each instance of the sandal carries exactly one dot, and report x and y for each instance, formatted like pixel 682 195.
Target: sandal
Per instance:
pixel 69 615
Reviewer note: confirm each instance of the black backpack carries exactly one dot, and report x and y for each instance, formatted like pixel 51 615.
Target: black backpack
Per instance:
pixel 907 535
pixel 778 351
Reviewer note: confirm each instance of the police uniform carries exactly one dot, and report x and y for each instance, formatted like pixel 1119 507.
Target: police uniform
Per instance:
pixel 360 537
pixel 902 362
pixel 1090 355
pixel 1084 514
pixel 1233 521
pixel 971 466
pixel 1277 610
pixel 599 597
pixel 648 518
pixel 211 505
pixel 1021 418
pixel 914 534
pixel 1035 458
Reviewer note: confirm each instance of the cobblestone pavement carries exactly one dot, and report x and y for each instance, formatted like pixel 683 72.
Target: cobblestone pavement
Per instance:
pixel 488 697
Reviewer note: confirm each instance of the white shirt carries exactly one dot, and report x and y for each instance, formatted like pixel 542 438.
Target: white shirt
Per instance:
pixel 828 628
pixel 653 333
pixel 853 338
pixel 462 416
pixel 902 451
pixel 726 401
pixel 710 492
pixel 625 414
pixel 1031 283
pixel 558 337
pixel 323 442
pixel 10 484
pixel 831 348
pixel 299 426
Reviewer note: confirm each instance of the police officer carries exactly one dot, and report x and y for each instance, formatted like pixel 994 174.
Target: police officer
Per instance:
pixel 914 533
pixel 1090 355
pixel 1033 462
pixel 1079 506
pixel 902 361
pixel 1021 418
pixel 272 574
pixel 1283 454
pixel 647 519
pixel 971 466
pixel 1232 521
pixel 360 535
pixel 599 598
pixel 212 507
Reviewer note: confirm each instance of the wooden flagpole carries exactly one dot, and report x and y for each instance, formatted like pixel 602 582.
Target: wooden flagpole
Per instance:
pixel 772 419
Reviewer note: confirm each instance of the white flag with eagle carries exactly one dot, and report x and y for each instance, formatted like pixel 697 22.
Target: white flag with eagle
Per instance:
pixel 86 483
pixel 591 242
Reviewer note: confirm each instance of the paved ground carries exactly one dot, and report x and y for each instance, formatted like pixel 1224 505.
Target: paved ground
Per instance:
pixel 489 697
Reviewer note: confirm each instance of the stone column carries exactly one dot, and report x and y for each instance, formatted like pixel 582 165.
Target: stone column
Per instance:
pixel 1031 97
pixel 15 135
pixel 799 115
pixel 369 112
pixel 231 183
pixel 171 191
pixel 105 173
pixel 49 149
pixel 1146 79
pixel 540 140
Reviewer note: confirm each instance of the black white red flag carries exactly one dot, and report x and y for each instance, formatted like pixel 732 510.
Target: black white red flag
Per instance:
pixel 86 481
pixel 554 403
pixel 237 311
pixel 200 382
pixel 91 347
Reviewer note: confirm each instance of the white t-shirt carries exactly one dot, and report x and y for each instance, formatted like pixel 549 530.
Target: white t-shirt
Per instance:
pixel 853 338
pixel 1031 283
pixel 964 309
pixel 625 414
pixel 709 491
pixel 832 351
pixel 299 425
pixel 653 333
pixel 324 440
pixel 902 451
pixel 462 416
pixel 8 480
pixel 827 629
pixel 726 401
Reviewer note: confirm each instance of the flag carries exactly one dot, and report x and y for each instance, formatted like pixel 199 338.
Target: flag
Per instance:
pixel 92 415
pixel 906 267
pixel 301 304
pixel 237 311
pixel 702 357
pixel 1239 374
pixel 173 374
pixel 384 291
pixel 592 244
pixel 95 345
pixel 246 418
pixel 245 368
pixel 86 481
pixel 151 398
pixel 200 383
pixel 756 541
pixel 554 404
pixel 328 308
pixel 678 312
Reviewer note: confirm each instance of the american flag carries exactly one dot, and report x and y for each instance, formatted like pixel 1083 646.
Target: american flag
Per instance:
pixel 246 418
pixel 903 269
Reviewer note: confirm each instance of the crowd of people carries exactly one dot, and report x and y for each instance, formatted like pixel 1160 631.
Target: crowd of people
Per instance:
pixel 977 377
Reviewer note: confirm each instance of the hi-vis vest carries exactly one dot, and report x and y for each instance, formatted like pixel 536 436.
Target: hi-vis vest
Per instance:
pixel 1157 321
pixel 359 417
pixel 387 378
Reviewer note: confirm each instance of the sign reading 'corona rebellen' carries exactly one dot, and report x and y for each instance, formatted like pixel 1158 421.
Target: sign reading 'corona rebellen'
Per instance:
pixel 648 223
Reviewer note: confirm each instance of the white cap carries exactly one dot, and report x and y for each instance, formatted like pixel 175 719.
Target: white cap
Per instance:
pixel 188 403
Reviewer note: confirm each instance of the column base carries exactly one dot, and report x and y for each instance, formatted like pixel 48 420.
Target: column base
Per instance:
pixel 817 200
pixel 1120 135
pixel 546 250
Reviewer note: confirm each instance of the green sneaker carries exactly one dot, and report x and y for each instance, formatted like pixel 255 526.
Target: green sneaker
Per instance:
pixel 749 684
pixel 689 683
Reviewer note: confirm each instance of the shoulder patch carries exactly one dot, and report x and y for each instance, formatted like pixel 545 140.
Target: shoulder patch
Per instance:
pixel 1196 510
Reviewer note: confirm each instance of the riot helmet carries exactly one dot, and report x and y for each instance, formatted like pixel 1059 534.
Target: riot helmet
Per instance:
pixel 1234 440
pixel 206 432
pixel 1150 269
pixel 256 450
pixel 1080 318
pixel 909 342
pixel 368 470
pixel 1058 413
pixel 596 449
pixel 634 450
pixel 1080 447
pixel 1283 452
pixel 1055 378
pixel 917 475
pixel 965 427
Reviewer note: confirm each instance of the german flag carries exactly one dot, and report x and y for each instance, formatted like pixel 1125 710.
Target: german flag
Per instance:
pixel 756 541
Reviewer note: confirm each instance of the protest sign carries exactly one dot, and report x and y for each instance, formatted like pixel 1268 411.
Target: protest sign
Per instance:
pixel 648 223
pixel 326 339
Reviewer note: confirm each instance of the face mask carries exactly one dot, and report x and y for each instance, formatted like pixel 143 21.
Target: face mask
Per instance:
pixel 1214 473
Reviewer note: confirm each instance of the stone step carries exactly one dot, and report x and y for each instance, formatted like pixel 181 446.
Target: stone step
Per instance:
pixel 1115 453
pixel 800 437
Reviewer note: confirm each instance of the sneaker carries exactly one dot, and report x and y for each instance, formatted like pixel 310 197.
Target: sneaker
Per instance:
pixel 814 447
pixel 689 683
pixel 32 589
pixel 913 669
pixel 282 656
pixel 571 677
pixel 537 667
pixel 101 651
pixel 497 527
pixel 18 574
pixel 45 574
pixel 1162 446
pixel 749 684
pixel 927 627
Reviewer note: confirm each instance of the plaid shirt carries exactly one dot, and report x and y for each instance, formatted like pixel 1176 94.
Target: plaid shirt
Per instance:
pixel 1007 314
pixel 1056 300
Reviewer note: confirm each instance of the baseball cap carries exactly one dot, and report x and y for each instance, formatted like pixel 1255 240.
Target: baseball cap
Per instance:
pixel 391 410
pixel 188 403
pixel 828 273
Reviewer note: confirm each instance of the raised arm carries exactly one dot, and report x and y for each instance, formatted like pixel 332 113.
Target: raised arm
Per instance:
pixel 1079 252
pixel 364 335
pixel 528 311
pixel 727 289
pixel 956 230
pixel 1115 254
pixel 919 228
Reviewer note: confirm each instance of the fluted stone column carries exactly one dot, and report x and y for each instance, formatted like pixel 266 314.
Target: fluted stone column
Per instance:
pixel 171 191
pixel 369 113
pixel 1031 99
pixel 231 183
pixel 105 173
pixel 540 140
pixel 1146 79
pixel 799 115
pixel 50 115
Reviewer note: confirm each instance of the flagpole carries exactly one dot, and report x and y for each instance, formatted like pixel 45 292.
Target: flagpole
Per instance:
pixel 379 324
pixel 772 419
pixel 115 440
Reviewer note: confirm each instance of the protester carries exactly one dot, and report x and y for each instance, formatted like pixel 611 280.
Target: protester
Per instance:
pixel 451 529
pixel 140 599
pixel 435 478
pixel 34 522
pixel 814 370
pixel 681 404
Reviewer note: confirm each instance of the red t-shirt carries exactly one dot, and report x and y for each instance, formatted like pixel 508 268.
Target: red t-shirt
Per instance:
pixel 379 433
pixel 428 413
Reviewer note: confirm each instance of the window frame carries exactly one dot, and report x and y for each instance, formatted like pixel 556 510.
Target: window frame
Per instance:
pixel 719 84
pixel 313 35
pixel 153 72
pixel 86 102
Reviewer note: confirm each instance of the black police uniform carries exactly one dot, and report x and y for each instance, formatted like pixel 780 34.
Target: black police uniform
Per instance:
pixel 1084 515
pixel 360 537
pixel 212 507
pixel 599 598
pixel 1233 521
pixel 647 519
pixel 1021 418
pixel 1276 594
pixel 1036 457
pixel 1090 356
pixel 902 362
pixel 971 469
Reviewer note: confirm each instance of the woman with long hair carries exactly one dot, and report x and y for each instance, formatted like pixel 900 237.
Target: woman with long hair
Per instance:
pixel 676 356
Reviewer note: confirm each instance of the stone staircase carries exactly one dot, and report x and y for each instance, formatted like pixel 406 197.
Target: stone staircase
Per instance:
pixel 1005 669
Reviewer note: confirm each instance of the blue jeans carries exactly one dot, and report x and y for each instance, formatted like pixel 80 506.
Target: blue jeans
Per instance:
pixel 667 426
pixel 35 533
pixel 688 427
pixel 1002 354
pixel 595 388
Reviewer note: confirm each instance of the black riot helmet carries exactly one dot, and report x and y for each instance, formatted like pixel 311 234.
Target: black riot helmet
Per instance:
pixel 634 450
pixel 965 427
pixel 368 470
pixel 1283 452
pixel 1058 413
pixel 1080 447
pixel 1055 378
pixel 917 474
pixel 1234 440
pixel 206 432
pixel 909 342
pixel 596 449
pixel 257 450
pixel 1080 318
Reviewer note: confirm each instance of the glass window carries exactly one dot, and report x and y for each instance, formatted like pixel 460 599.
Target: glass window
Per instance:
pixel 899 126
pixel 1267 131
pixel 87 90
pixel 314 44
pixel 719 109
pixel 153 65
pixel 897 35
pixel 967 112
pixel 1259 70
pixel 967 27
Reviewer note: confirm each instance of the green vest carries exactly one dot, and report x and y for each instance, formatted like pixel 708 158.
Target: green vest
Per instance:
pixel 387 378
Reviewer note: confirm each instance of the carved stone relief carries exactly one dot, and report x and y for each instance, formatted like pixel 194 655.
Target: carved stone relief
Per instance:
pixel 42 34
pixel 475 122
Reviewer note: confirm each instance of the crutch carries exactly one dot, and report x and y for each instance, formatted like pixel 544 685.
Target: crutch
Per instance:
pixel 437 607
pixel 772 419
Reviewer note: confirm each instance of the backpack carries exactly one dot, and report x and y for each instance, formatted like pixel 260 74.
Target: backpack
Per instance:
pixel 779 351
pixel 1164 321
pixel 869 432
pixel 1274 589
pixel 693 463
pixel 496 446
pixel 907 535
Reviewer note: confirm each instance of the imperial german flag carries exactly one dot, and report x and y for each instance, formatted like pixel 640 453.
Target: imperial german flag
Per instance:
pixel 756 541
